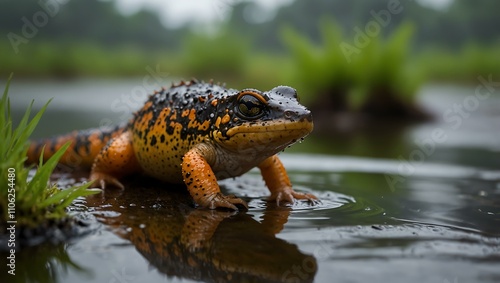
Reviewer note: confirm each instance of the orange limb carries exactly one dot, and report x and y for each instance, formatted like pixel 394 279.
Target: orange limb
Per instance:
pixel 202 183
pixel 115 160
pixel 279 184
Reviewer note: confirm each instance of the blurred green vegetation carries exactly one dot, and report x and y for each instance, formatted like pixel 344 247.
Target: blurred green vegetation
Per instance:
pixel 320 68
pixel 463 65
pixel 68 60
pixel 379 79
pixel 416 44
pixel 223 54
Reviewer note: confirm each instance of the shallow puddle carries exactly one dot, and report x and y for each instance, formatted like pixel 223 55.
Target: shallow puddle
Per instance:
pixel 384 215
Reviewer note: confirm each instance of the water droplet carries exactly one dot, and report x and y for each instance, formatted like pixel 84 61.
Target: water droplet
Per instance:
pixel 212 115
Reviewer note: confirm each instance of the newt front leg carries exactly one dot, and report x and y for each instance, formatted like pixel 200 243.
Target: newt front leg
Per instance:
pixel 202 183
pixel 279 184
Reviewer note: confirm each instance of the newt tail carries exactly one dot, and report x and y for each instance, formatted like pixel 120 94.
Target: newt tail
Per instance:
pixel 84 148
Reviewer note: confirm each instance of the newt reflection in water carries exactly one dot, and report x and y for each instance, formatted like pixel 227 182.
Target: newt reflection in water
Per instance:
pixel 207 245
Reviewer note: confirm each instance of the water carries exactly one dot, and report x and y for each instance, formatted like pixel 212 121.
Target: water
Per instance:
pixel 418 203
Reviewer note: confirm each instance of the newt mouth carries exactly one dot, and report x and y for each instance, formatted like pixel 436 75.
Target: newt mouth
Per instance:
pixel 304 126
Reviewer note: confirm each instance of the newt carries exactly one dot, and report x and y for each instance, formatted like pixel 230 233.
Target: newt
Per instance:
pixel 194 133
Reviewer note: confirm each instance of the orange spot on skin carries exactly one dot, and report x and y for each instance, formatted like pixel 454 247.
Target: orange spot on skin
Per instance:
pixel 200 126
pixel 192 115
pixel 225 119
pixel 214 102
pixel 193 122
pixel 217 122
pixel 146 118
pixel 147 105
pixel 165 112
pixel 205 125
pixel 173 124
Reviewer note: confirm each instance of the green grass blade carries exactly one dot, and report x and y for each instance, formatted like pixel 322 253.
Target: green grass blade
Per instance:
pixel 65 197
pixel 6 90
pixel 42 176
pixel 81 191
pixel 5 122
pixel 30 127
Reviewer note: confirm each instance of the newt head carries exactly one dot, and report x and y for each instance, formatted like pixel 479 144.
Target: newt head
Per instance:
pixel 264 121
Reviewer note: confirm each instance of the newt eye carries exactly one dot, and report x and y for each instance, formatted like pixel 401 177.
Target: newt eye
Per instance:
pixel 250 107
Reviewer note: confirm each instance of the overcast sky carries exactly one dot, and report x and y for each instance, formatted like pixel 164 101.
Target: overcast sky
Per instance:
pixel 176 12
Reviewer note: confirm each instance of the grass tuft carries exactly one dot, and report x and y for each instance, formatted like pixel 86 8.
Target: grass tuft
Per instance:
pixel 36 200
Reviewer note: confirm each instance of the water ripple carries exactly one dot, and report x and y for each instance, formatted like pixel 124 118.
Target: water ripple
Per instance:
pixel 342 164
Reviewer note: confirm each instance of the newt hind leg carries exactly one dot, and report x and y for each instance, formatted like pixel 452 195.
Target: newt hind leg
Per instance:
pixel 115 160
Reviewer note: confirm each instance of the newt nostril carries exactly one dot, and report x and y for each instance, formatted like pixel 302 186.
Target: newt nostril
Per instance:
pixel 308 116
pixel 298 114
